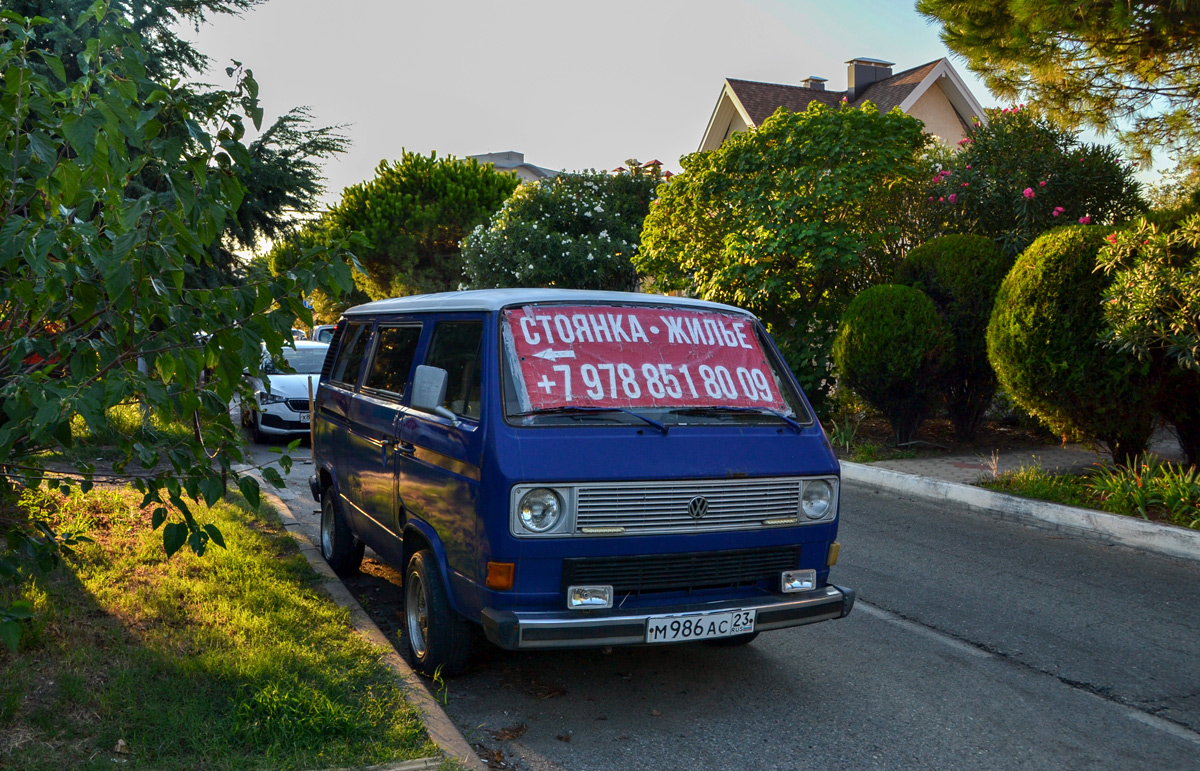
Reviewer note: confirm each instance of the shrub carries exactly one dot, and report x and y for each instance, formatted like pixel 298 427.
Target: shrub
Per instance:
pixel 1044 342
pixel 890 349
pixel 1018 176
pixel 575 231
pixel 1153 310
pixel 961 274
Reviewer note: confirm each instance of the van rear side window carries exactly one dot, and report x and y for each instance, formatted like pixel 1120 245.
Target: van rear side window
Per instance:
pixel 455 348
pixel 350 354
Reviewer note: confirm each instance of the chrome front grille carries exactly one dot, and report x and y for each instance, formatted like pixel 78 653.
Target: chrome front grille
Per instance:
pixel 298 405
pixel 666 507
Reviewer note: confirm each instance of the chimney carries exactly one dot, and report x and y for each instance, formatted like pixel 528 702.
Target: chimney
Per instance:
pixel 814 82
pixel 862 72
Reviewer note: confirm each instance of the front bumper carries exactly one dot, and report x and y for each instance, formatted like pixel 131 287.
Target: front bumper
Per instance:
pixel 589 629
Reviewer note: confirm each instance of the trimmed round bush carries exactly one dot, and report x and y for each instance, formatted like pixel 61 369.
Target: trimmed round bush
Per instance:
pixel 1045 344
pixel 961 275
pixel 890 350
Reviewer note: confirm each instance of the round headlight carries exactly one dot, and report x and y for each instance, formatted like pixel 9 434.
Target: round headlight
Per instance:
pixel 817 498
pixel 540 509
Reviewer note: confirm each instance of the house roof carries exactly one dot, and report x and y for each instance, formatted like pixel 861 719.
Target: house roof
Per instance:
pixel 760 100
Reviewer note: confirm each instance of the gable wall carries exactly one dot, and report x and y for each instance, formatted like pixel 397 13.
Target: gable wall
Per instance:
pixel 935 111
pixel 727 120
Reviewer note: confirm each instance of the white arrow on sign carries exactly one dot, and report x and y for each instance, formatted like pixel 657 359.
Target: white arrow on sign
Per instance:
pixel 554 355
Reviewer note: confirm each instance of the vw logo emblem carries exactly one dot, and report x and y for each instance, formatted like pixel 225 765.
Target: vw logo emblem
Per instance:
pixel 698 507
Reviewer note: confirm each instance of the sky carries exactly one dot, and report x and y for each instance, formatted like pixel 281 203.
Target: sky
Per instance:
pixel 572 85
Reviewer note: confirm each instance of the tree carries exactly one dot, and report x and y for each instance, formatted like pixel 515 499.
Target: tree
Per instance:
pixel 283 178
pixel 578 231
pixel 1132 67
pixel 414 214
pixel 1045 344
pixel 93 273
pixel 781 220
pixel 1019 175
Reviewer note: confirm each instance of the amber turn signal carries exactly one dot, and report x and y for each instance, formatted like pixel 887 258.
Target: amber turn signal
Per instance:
pixel 500 575
pixel 834 549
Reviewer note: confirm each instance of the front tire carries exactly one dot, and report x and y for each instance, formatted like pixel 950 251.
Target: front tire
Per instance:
pixel 439 641
pixel 339 547
pixel 256 429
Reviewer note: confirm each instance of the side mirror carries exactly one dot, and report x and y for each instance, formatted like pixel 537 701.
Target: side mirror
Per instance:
pixel 429 391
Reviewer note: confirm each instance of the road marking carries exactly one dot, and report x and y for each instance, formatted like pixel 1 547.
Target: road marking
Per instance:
pixel 1166 726
pixel 1145 718
pixel 922 630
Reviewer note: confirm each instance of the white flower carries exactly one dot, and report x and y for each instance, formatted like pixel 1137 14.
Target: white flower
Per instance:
pixel 589 257
pixel 531 266
pixel 604 234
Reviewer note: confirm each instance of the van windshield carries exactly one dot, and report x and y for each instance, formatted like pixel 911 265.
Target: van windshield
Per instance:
pixel 666 366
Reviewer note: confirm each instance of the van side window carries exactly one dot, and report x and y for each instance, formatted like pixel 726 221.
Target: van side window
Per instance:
pixel 350 354
pixel 455 348
pixel 393 359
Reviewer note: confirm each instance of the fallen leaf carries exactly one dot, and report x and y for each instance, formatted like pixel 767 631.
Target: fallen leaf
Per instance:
pixel 655 713
pixel 564 737
pixel 121 747
pixel 510 733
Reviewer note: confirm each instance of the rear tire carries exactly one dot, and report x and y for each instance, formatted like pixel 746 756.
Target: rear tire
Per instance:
pixel 438 640
pixel 339 547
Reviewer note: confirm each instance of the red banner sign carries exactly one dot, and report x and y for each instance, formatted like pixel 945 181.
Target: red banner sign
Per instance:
pixel 619 356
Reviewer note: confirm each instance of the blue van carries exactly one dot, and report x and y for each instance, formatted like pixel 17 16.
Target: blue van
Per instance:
pixel 559 468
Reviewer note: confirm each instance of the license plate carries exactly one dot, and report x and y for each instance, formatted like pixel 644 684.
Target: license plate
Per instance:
pixel 699 626
pixel 304 417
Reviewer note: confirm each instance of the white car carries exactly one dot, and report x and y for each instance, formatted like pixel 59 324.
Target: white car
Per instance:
pixel 323 333
pixel 280 406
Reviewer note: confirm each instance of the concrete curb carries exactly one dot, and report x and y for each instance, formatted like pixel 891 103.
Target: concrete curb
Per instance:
pixel 441 729
pixel 1112 528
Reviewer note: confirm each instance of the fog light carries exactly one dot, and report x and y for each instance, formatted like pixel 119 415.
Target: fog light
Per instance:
pixel 799 581
pixel 589 597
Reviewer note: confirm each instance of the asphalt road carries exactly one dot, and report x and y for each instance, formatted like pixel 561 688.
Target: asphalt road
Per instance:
pixel 975 643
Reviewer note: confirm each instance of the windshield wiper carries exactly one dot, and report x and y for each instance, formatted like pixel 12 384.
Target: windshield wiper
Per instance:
pixel 569 410
pixel 738 411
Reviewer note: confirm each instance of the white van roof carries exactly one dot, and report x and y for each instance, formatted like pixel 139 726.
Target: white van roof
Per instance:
pixel 495 299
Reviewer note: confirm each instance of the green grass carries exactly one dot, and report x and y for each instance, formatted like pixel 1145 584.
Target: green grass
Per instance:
pixel 1146 489
pixel 233 660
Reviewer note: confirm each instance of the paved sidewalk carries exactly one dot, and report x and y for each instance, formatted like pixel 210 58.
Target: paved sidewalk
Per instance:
pixel 968 469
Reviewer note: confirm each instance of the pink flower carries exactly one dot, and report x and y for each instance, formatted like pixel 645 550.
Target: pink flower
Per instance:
pixel 968 165
pixel 931 199
pixel 941 200
pixel 966 184
pixel 1111 238
pixel 1042 183
pixel 844 100
pixel 1029 192
pixel 1057 211
pixel 953 197
pixel 1085 220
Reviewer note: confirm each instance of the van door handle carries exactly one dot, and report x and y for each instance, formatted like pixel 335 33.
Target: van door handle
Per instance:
pixel 408 449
